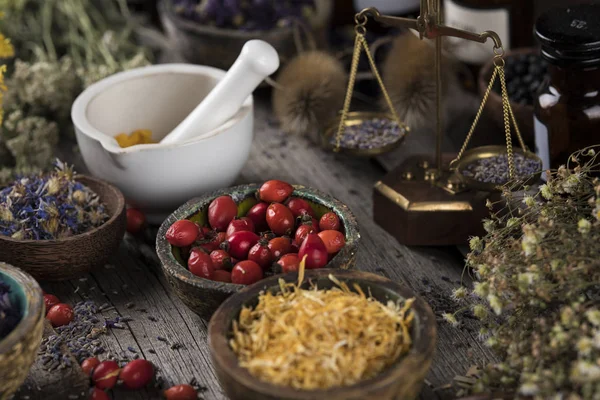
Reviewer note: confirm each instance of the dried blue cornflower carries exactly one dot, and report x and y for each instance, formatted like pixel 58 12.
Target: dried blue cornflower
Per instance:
pixel 245 15
pixel 51 206
pixel 9 313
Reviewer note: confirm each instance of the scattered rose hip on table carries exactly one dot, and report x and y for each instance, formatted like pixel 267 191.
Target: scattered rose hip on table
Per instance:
pixel 49 301
pixel 98 394
pixel 60 314
pixel 200 263
pixel 135 220
pixel 241 224
pixel 275 191
pixel 315 250
pixel 329 221
pixel 136 374
pixel 89 364
pixel 182 233
pixel 221 212
pixel 181 392
pixel 106 374
pixel 246 273
pixel 280 219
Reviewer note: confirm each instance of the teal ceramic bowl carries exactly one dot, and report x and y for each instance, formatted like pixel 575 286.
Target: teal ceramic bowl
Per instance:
pixel 19 348
pixel 203 296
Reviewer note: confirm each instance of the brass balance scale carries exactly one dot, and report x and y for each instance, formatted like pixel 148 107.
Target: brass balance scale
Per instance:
pixel 428 200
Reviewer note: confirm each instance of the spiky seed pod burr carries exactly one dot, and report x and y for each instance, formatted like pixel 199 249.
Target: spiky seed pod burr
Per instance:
pixel 309 93
pixel 408 73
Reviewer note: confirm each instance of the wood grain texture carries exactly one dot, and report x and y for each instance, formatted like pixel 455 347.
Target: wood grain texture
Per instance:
pixel 69 257
pixel 134 277
pixel 400 381
pixel 203 296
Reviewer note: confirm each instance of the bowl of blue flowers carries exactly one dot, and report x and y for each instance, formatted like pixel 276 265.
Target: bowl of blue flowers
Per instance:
pixel 58 225
pixel 213 32
pixel 21 326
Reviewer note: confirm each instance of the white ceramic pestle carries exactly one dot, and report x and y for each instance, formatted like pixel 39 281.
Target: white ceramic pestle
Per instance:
pixel 257 60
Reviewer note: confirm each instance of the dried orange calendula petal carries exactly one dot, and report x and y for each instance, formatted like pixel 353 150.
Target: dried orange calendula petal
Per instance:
pixel 139 136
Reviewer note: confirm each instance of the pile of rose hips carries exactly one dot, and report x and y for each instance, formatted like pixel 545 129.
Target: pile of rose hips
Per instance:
pixel 134 375
pixel 272 237
pixel 57 313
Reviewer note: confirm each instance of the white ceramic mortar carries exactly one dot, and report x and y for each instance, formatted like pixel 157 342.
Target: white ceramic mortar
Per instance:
pixel 158 178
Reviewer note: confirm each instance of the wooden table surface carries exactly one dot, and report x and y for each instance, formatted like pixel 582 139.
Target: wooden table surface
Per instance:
pixel 132 285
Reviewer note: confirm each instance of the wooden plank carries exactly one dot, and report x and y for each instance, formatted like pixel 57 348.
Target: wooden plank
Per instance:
pixel 134 276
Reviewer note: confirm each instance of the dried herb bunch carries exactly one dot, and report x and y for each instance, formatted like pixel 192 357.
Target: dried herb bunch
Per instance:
pixel 538 271
pixel 51 206
pixel 311 339
pixel 61 47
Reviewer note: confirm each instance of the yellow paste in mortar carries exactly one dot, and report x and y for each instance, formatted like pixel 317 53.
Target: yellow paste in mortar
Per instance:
pixel 139 136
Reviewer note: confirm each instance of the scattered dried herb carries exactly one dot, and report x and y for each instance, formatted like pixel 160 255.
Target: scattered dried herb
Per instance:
pixel 51 206
pixel 318 339
pixel 370 134
pixel 9 314
pixel 538 283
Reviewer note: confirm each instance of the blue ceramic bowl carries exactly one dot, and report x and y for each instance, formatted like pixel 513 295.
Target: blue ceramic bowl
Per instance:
pixel 19 348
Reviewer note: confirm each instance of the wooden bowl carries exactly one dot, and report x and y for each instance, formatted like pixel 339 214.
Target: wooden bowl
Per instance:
pixel 523 113
pixel 19 349
pixel 402 380
pixel 203 296
pixel 219 47
pixel 62 259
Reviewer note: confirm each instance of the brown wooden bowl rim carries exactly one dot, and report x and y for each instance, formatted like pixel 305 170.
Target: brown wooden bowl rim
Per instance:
pixel 422 350
pixel 485 74
pixel 82 178
pixel 181 273
pixel 33 309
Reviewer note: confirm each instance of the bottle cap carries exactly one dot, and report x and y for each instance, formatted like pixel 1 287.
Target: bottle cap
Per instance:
pixel 570 36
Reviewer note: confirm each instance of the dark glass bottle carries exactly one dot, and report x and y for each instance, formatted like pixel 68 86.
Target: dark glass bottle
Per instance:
pixel 512 20
pixel 567 109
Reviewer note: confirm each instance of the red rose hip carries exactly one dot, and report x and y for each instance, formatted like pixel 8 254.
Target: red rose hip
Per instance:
pixel 241 224
pixel 303 231
pixel 137 374
pixel 135 220
pixel 60 314
pixel 221 259
pixel 333 240
pixel 275 191
pixel 280 219
pixel 200 264
pixel 289 263
pixel 98 394
pixel 106 374
pixel 239 244
pixel 258 215
pixel 280 246
pixel 315 250
pixel 221 212
pixel 329 221
pixel 221 275
pixel 299 207
pixel 50 300
pixel 260 254
pixel 181 392
pixel 182 233
pixel 246 273
pixel 89 364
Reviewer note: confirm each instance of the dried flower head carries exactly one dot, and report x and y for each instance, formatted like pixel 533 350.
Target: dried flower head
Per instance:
pixel 42 207
pixel 539 284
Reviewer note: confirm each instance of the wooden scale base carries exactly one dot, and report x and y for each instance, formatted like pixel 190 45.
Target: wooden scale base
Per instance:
pixel 420 211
